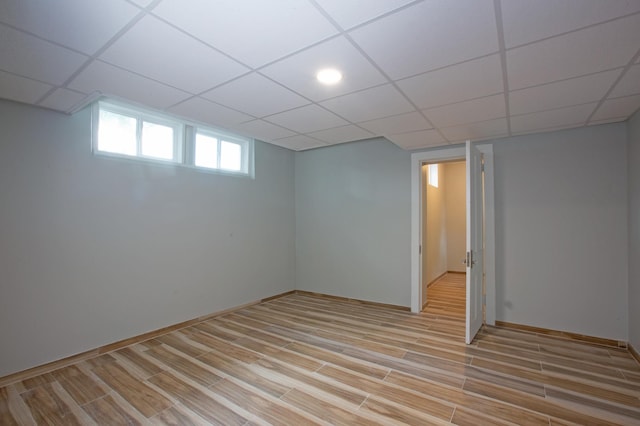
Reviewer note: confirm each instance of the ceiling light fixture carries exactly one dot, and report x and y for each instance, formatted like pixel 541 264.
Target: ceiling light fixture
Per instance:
pixel 329 76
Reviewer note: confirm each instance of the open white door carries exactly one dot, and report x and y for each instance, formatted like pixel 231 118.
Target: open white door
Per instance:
pixel 474 258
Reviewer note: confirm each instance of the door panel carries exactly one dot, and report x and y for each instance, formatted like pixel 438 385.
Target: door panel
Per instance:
pixel 474 259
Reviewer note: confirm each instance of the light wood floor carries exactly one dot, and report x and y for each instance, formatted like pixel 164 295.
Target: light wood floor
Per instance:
pixel 447 296
pixel 305 359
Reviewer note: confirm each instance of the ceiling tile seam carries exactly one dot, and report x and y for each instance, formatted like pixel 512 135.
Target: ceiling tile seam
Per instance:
pixel 48 83
pixel 497 5
pixel 388 116
pixel 376 66
pixel 337 127
pixel 466 123
pixel 629 65
pixel 391 81
pixel 141 14
pixel 257 70
pixel 136 73
pixel 210 46
pixel 553 109
pixel 586 27
pixel 475 58
pixel 367 22
pixel 568 79
pixel 426 110
pixel 46 40
pixel 548 129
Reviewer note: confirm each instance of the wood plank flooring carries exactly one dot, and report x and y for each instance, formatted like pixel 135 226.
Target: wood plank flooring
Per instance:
pixel 306 359
pixel 447 296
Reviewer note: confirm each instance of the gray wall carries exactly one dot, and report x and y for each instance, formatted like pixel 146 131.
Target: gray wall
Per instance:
pixel 561 227
pixel 634 230
pixel 561 230
pixel 95 249
pixel 353 221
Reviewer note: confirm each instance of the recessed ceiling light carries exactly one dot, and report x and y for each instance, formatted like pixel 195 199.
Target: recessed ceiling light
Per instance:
pixel 329 76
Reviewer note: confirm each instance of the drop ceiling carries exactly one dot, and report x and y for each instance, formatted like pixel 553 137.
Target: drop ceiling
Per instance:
pixel 420 73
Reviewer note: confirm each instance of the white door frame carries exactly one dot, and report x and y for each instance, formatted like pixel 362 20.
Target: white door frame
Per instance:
pixel 449 154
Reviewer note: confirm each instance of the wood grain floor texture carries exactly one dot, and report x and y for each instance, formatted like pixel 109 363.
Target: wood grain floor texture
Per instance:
pixel 305 359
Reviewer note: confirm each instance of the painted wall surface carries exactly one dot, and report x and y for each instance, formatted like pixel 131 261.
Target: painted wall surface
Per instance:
pixel 634 229
pixel 94 250
pixel 455 202
pixel 353 221
pixel 435 239
pixel 561 230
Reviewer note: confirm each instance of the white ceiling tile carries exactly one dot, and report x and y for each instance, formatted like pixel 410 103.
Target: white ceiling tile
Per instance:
pixel 587 51
pixel 342 134
pixel 21 89
pixel 570 116
pixel 415 140
pixel 79 24
pixel 563 93
pixel 481 109
pixel 208 112
pixel 262 130
pixel 34 58
pixel 298 143
pixel 369 104
pixel 619 107
pixel 353 12
pixel 158 51
pixel 402 123
pixel 629 84
pixel 443 32
pixel 114 81
pixel 473 79
pixel 298 72
pixel 255 95
pixel 307 119
pixel 63 100
pixel 526 21
pixel 477 131
pixel 253 31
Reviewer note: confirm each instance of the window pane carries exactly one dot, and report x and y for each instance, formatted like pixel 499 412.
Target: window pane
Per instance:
pixel 157 141
pixel 116 133
pixel 206 151
pixel 230 156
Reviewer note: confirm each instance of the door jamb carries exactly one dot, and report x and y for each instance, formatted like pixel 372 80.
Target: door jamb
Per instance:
pixel 440 155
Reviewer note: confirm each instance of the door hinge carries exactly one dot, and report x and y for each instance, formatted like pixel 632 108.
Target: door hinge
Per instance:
pixel 420 249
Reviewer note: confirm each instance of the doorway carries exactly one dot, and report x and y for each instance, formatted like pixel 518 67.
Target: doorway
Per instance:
pixel 444 238
pixel 471 155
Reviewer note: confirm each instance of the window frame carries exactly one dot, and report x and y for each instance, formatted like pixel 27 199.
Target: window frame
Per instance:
pixel 246 148
pixel 141 116
pixel 184 134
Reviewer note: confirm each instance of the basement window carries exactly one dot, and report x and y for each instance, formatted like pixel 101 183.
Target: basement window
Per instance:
pixel 220 151
pixel 124 131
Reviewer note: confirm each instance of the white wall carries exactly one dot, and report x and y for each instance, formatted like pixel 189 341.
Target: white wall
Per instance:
pixel 456 210
pixel 434 238
pixel 352 221
pixel 95 250
pixel 634 229
pixel 561 230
